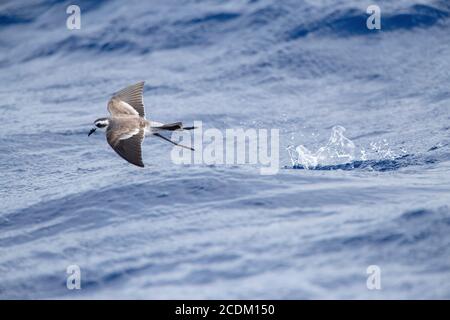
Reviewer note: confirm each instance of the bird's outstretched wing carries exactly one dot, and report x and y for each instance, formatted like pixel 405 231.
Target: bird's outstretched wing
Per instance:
pixel 127 144
pixel 128 101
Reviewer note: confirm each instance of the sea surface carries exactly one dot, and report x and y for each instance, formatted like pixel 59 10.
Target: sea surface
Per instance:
pixel 364 147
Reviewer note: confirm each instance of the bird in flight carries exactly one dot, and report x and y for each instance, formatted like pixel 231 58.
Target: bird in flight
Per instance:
pixel 127 125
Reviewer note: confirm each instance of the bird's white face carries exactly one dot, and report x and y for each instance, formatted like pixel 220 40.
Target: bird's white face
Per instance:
pixel 101 123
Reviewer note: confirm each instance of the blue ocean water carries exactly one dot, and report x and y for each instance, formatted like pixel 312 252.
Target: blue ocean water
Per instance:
pixel 198 231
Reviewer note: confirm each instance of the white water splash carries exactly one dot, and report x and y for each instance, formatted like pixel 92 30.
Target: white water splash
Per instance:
pixel 338 150
pixel 382 150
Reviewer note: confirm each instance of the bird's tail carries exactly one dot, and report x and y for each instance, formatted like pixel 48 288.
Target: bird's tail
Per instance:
pixel 175 126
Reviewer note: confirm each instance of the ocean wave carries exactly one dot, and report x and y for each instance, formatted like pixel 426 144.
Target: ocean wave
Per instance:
pixel 149 35
pixel 376 195
pixel 352 22
pixel 382 165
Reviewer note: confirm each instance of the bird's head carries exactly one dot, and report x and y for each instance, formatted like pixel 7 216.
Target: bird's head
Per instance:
pixel 100 123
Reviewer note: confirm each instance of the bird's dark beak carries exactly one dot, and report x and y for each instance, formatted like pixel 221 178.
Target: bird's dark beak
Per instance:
pixel 92 131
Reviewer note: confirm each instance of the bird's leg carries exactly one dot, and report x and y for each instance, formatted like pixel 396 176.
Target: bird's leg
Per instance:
pixel 173 142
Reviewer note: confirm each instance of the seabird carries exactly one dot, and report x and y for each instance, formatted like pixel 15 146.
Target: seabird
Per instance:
pixel 127 125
